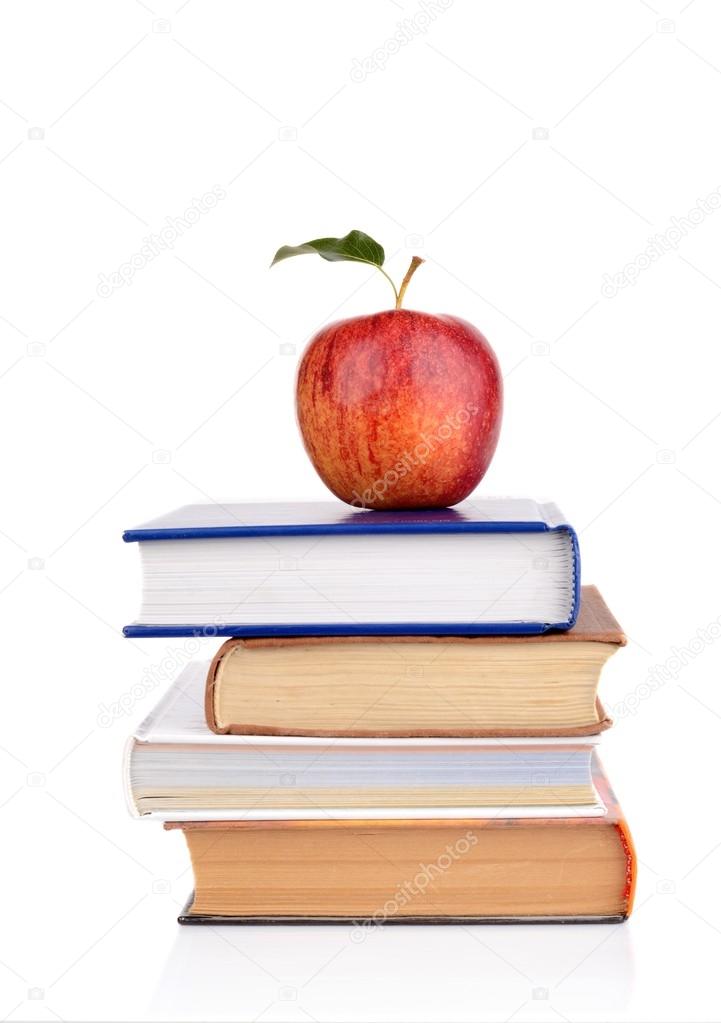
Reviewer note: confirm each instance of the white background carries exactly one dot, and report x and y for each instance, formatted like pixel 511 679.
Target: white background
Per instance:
pixel 178 387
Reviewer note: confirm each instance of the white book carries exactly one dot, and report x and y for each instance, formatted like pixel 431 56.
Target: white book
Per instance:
pixel 177 769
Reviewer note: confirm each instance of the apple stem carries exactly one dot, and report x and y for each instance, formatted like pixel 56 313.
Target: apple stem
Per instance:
pixel 415 263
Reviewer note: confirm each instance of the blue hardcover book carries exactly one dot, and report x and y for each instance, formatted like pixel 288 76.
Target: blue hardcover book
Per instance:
pixel 504 566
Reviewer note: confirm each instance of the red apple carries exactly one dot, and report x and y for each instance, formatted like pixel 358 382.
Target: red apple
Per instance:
pixel 400 409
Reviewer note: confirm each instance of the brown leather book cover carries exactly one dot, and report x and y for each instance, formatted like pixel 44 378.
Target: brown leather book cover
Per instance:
pixel 595 623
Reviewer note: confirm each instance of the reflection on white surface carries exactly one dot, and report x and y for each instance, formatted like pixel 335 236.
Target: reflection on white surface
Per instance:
pixel 396 972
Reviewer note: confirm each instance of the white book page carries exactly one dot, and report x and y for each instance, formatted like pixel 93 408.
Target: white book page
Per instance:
pixel 387 578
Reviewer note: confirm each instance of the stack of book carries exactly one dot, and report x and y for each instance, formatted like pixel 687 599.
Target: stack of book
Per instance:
pixel 402 724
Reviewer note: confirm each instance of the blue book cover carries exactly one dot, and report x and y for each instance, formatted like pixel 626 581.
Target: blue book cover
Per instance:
pixel 362 573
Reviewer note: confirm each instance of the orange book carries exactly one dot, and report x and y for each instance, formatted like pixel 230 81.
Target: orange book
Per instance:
pixel 563 869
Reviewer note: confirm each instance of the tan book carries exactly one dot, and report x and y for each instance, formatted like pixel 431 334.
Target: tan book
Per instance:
pixel 416 686
pixel 395 870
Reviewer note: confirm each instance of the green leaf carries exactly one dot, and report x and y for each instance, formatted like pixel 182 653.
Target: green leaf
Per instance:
pixel 356 247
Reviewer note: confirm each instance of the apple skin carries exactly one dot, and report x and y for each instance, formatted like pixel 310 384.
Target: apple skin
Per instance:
pixel 400 409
